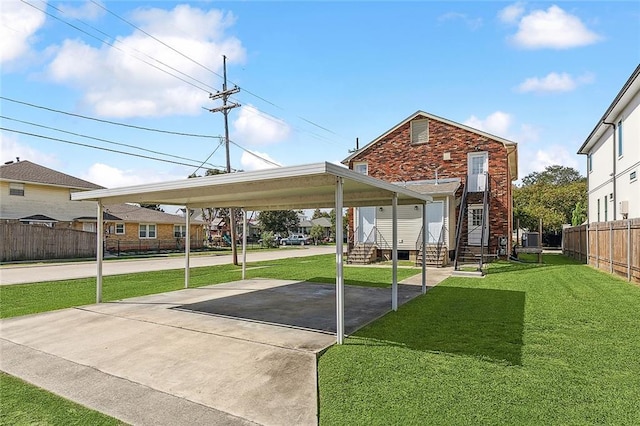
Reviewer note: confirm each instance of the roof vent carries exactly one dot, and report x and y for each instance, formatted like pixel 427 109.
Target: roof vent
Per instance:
pixel 8 162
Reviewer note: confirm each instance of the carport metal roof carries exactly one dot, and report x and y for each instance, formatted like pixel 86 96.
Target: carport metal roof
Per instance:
pixel 320 185
pixel 297 187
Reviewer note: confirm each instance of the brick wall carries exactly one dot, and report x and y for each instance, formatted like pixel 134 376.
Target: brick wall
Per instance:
pixel 393 158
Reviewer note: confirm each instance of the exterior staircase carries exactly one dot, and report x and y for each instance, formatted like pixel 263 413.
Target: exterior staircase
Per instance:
pixel 363 254
pixel 436 255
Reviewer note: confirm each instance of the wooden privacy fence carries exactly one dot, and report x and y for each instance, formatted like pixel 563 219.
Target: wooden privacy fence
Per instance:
pixel 33 242
pixel 610 246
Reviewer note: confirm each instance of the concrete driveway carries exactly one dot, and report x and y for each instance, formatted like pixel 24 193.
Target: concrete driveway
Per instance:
pixel 231 354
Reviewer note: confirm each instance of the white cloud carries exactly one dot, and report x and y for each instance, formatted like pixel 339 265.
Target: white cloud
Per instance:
pixel 255 128
pixel 112 177
pixel 553 28
pixel 554 82
pixel 116 84
pixel 472 23
pixel 85 10
pixel 11 148
pixel 252 162
pixel 18 24
pixel 511 13
pixel 497 123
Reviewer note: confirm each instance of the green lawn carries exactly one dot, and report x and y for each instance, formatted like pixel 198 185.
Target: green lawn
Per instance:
pixel 24 404
pixel 552 344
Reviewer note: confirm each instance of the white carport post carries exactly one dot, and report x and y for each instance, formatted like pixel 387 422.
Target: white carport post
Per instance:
pixel 99 251
pixel 187 245
pixel 424 247
pixel 339 272
pixel 244 243
pixel 394 251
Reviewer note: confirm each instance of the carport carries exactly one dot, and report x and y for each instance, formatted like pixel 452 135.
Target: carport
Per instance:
pixel 320 185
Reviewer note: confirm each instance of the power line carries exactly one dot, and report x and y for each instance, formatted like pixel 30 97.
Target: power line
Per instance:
pixel 96 147
pixel 111 122
pixel 117 48
pixel 256 155
pixel 105 140
pixel 207 68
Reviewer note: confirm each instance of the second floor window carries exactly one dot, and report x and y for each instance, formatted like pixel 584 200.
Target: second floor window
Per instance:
pixel 590 163
pixel 620 138
pixel 362 168
pixel 419 131
pixel 16 189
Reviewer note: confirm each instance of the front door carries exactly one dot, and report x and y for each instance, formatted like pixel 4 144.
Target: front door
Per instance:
pixel 477 171
pixel 475 226
pixel 366 224
pixel 435 220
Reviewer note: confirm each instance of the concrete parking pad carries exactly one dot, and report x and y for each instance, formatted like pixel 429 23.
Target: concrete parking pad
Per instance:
pixel 236 353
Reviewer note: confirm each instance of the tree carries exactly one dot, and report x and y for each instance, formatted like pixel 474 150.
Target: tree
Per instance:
pixel 579 214
pixel 317 213
pixel 550 195
pixel 345 222
pixel 317 233
pixel 279 221
pixel 152 207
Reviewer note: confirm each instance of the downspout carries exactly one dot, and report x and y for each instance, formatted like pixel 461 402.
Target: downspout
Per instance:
pixel 613 175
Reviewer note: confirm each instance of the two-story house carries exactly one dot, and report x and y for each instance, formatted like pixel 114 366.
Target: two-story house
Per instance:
pixel 468 173
pixel 613 158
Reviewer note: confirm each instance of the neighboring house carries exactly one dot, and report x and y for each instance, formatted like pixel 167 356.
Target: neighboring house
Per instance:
pixel 36 195
pixel 469 174
pixel 307 224
pixel 613 158
pixel 33 194
pixel 129 227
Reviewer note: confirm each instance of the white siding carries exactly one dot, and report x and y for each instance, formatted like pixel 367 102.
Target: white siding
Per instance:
pixel 603 159
pixel 410 224
pixel 47 200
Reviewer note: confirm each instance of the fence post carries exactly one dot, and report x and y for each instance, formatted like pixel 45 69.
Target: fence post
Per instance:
pixel 597 229
pixel 629 250
pixel 611 247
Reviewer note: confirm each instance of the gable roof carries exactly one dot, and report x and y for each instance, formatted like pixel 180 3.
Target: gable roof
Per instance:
pixel 28 172
pixel 511 147
pixel 630 88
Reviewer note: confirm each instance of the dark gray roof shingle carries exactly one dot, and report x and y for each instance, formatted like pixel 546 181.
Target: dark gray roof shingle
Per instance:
pixel 28 172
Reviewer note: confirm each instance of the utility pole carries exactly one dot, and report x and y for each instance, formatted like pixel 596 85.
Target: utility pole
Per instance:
pixel 224 95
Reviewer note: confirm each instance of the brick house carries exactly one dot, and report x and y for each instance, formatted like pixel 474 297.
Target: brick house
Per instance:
pixel 469 174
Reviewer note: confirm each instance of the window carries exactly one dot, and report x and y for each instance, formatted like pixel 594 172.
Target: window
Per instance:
pixel 598 209
pixel 362 168
pixel 179 231
pixel 119 228
pixel 16 189
pixel 589 163
pixel 476 217
pixel 606 209
pixel 419 131
pixel 89 227
pixel 147 230
pixel 620 138
pixel 633 176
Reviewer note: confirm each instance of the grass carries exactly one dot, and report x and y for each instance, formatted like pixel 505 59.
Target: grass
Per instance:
pixel 24 404
pixel 23 299
pixel 528 344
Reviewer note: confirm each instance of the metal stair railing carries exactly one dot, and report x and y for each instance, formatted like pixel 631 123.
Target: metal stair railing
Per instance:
pixel 439 243
pixel 461 214
pixel 485 220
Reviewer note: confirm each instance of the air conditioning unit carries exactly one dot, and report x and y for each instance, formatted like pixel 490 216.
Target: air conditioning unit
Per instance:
pixel 624 207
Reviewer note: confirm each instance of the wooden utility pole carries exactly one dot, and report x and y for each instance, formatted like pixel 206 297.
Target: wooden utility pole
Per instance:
pixel 226 106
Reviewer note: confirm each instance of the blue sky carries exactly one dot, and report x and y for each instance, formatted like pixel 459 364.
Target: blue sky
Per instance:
pixel 314 76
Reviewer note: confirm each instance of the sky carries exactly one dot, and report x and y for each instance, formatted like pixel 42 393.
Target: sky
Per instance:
pixel 104 90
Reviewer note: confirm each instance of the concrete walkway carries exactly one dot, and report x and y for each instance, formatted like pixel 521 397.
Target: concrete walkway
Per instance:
pixel 36 272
